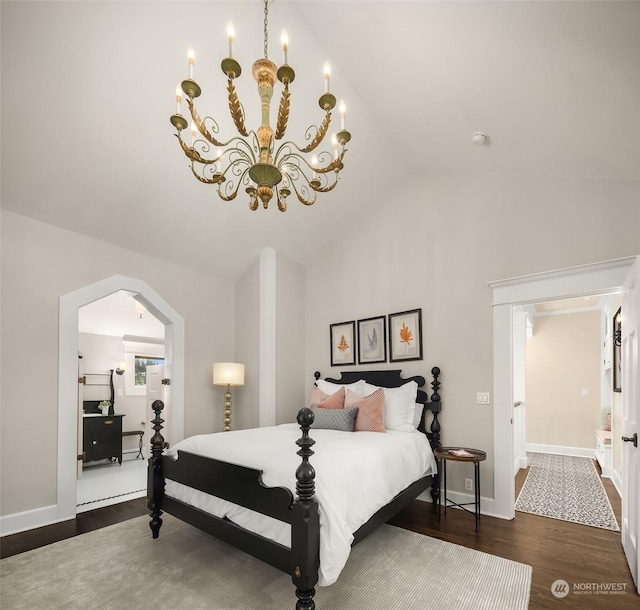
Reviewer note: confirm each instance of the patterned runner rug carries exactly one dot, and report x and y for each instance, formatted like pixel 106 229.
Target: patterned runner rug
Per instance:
pixel 566 488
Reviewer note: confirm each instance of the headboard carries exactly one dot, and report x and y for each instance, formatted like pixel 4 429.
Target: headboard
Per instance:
pixel 393 379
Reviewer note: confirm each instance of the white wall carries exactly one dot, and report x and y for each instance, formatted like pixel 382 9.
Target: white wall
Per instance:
pixel 253 290
pixel 40 263
pixel 435 243
pixel 99 354
pixel 247 341
pixel 563 359
pixel 290 340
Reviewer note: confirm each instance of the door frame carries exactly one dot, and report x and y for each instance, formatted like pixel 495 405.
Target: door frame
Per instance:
pixel 68 373
pixel 584 280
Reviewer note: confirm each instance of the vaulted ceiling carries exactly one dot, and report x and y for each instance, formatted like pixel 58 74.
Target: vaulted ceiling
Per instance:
pixel 88 88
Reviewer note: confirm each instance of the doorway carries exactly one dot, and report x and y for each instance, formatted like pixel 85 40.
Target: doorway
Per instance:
pixel 586 280
pixel 113 368
pixel 563 388
pixel 68 377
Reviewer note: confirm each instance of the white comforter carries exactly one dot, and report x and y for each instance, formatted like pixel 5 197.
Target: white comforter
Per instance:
pixel 356 474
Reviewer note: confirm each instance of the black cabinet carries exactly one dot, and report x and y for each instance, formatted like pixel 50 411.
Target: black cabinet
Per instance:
pixel 102 437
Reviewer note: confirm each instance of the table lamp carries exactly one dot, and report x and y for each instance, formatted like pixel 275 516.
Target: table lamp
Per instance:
pixel 228 373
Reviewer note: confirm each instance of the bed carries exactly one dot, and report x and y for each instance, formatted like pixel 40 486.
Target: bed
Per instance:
pixel 236 487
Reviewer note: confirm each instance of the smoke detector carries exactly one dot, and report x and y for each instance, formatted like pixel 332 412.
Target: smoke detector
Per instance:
pixel 480 139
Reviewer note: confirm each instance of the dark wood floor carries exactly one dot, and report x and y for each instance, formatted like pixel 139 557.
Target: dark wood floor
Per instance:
pixel 555 549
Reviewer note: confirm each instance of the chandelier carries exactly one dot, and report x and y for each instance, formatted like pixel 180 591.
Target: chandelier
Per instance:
pixel 253 159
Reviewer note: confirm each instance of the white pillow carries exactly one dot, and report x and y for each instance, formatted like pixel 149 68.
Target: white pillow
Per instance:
pixel 329 387
pixel 417 414
pixel 399 405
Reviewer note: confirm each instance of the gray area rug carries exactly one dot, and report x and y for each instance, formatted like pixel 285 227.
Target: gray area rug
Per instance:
pixel 566 488
pixel 121 567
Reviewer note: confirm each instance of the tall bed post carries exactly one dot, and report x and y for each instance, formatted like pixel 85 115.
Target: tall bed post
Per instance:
pixel 305 522
pixel 435 435
pixel 155 484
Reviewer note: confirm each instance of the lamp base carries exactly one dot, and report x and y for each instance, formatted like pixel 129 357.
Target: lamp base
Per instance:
pixel 227 410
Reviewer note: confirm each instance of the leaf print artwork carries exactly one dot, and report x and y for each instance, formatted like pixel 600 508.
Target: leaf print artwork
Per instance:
pixel 373 341
pixel 343 341
pixel 343 346
pixel 406 336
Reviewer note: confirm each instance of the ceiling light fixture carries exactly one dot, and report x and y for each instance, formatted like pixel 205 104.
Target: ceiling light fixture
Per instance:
pixel 252 158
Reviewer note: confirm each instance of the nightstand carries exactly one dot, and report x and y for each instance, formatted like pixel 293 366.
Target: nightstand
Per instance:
pixel 443 454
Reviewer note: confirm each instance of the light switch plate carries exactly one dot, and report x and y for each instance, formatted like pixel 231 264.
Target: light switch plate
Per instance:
pixel 483 398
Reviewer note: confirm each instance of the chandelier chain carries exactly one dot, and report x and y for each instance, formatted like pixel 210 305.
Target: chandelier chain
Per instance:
pixel 266 31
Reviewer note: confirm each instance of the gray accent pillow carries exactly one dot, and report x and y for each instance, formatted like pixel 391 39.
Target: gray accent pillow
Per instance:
pixel 334 419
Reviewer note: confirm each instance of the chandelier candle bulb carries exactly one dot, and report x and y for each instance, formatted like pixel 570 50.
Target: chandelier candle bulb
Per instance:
pixel 231 33
pixel 334 141
pixel 343 111
pixel 285 45
pixel 178 99
pixel 327 72
pixel 192 60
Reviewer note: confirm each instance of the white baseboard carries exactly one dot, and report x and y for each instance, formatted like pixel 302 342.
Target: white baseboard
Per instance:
pixel 521 462
pixel 560 450
pixel 29 519
pixel 617 481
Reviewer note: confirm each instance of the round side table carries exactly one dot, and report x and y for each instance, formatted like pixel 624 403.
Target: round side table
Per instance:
pixel 443 454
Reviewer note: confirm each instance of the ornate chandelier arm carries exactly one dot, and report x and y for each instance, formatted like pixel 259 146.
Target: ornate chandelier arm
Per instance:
pixel 320 134
pixel 303 189
pixel 215 179
pixel 324 189
pixel 283 112
pixel 192 153
pixel 200 124
pixel 232 187
pixel 236 109
pixel 335 165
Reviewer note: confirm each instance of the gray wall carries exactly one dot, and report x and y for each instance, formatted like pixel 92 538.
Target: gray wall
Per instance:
pixel 434 244
pixel 40 263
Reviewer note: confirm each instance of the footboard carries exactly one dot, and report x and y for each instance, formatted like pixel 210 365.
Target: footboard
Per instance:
pixel 244 486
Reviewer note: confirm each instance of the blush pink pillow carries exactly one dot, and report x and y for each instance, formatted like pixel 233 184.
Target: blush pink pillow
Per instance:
pixel 370 416
pixel 320 399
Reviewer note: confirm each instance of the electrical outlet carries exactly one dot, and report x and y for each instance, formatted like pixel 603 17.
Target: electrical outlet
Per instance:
pixel 120 392
pixel 468 485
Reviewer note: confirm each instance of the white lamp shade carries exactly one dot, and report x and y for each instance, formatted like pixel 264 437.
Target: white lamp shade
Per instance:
pixel 228 373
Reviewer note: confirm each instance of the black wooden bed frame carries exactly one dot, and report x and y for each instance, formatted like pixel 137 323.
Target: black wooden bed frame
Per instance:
pixel 243 486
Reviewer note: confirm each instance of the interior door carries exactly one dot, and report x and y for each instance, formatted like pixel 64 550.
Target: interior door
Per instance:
pixel 79 443
pixel 156 390
pixel 519 359
pixel 631 420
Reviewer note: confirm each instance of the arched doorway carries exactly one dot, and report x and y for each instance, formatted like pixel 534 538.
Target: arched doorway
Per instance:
pixel 68 367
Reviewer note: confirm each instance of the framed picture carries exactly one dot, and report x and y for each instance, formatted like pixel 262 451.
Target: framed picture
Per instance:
pixel 617 351
pixel 372 340
pixel 342 338
pixel 405 335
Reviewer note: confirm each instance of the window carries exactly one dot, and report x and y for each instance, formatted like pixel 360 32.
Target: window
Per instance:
pixel 140 368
